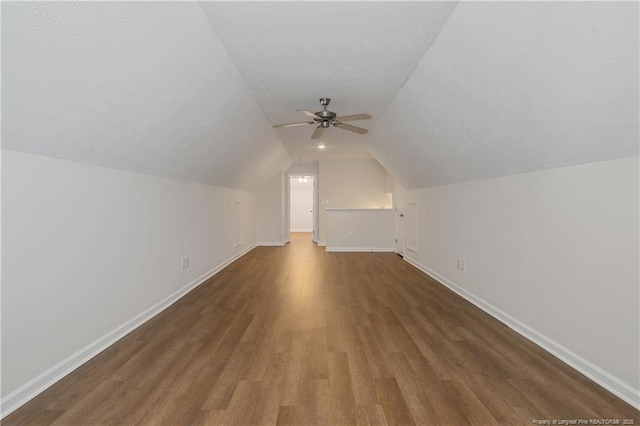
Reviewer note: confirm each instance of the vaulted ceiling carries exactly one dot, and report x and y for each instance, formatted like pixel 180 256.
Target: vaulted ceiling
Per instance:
pixel 510 87
pixel 190 90
pixel 140 86
pixel 359 54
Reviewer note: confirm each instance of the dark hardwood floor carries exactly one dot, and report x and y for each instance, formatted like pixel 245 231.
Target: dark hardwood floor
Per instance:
pixel 294 335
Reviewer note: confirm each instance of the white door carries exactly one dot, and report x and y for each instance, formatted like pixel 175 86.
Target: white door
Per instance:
pixel 400 231
pixel 314 212
pixel 301 204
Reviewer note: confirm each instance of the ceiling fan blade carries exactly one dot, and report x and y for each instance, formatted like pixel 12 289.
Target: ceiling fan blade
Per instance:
pixel 353 117
pixel 317 132
pixel 309 114
pixel 301 123
pixel 351 128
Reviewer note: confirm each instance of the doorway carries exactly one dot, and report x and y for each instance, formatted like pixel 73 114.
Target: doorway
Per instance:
pixel 301 204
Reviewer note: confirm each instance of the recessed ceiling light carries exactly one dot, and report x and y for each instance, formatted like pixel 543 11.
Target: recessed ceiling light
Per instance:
pixel 321 146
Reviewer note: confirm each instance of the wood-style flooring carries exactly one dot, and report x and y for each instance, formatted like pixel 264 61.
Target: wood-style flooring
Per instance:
pixel 293 335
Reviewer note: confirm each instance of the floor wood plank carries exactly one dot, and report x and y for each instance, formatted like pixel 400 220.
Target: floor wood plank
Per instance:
pixel 294 335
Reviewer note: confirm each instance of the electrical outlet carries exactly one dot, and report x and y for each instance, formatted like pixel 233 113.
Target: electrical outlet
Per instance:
pixel 462 264
pixel 185 263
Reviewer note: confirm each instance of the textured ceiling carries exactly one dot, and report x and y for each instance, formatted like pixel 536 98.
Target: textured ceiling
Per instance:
pixel 140 86
pixel 356 53
pixel 510 87
pixel 190 90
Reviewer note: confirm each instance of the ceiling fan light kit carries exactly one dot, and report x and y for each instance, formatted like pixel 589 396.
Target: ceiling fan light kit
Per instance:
pixel 326 118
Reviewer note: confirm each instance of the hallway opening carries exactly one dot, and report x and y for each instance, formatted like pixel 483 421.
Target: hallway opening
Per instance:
pixel 301 204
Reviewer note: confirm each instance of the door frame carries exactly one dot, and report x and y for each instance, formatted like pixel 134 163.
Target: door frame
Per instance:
pixel 311 170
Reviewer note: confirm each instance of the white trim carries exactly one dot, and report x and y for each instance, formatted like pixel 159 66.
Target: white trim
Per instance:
pixel 273 243
pixel 592 371
pixel 360 249
pixel 32 388
pixel 322 243
pixel 301 230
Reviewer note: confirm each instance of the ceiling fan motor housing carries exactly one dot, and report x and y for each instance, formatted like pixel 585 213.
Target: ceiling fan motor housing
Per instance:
pixel 327 116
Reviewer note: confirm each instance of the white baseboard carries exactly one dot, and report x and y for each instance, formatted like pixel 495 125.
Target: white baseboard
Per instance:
pixel 360 249
pixel 595 373
pixel 322 243
pixel 273 244
pixel 301 230
pixel 31 389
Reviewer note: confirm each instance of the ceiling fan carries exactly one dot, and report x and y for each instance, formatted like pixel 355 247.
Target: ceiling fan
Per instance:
pixel 326 118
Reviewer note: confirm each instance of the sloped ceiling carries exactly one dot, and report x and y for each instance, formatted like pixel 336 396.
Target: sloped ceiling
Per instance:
pixel 510 87
pixel 356 53
pixel 140 86
pixel 190 91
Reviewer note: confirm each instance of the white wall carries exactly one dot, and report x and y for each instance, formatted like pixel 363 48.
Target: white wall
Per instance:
pixel 271 202
pixel 389 183
pixel 301 202
pixel 350 184
pixel 87 251
pixel 553 253
pixel 360 230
